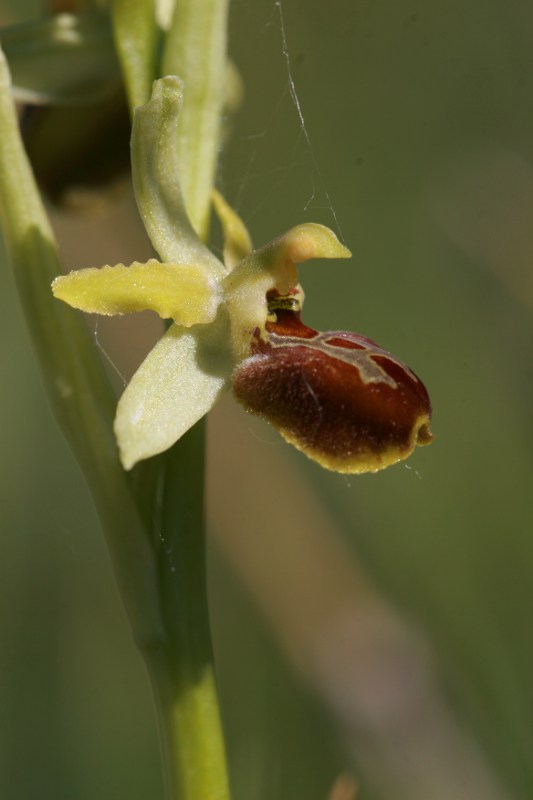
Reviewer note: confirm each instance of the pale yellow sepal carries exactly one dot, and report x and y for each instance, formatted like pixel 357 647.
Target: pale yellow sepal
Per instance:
pixel 273 266
pixel 185 293
pixel 237 241
pixel 156 173
pixel 178 382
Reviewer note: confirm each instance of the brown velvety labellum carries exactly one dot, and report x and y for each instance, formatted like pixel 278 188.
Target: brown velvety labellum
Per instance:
pixel 336 396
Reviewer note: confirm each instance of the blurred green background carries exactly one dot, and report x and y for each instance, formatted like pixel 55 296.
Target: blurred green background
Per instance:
pixel 379 625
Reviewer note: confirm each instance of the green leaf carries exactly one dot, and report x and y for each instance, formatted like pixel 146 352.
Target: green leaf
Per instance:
pixel 75 379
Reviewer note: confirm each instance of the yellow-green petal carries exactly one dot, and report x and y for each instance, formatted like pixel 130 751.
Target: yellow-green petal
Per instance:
pixel 237 241
pixel 179 381
pixel 185 293
pixel 156 178
pixel 195 49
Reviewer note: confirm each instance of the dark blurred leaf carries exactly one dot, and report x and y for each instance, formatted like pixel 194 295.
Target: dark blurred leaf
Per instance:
pixel 78 147
pixel 62 60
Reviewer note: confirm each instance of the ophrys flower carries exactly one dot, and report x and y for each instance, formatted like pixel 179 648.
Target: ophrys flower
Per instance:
pixel 337 396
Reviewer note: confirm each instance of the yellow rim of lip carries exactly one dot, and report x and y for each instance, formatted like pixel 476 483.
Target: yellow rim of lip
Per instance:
pixel 366 461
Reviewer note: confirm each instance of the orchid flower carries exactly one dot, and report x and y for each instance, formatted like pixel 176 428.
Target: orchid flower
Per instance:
pixel 336 396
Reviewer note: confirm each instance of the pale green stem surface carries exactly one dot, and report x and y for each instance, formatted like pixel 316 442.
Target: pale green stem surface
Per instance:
pixel 162 580
pixel 183 675
pixel 172 150
pixel 195 50
pixel 136 39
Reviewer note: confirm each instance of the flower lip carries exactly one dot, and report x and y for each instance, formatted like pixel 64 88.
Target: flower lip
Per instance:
pixel 336 396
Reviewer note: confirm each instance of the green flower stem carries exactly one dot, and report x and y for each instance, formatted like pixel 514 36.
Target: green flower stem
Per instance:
pixel 136 39
pixel 75 380
pixel 195 50
pixel 183 677
pixel 172 149
pixel 162 578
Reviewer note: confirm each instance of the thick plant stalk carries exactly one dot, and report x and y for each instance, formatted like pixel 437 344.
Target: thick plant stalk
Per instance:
pixel 160 567
pixel 183 676
pixel 182 671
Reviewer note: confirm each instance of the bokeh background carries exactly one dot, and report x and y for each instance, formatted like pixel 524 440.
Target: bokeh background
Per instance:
pixel 377 626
